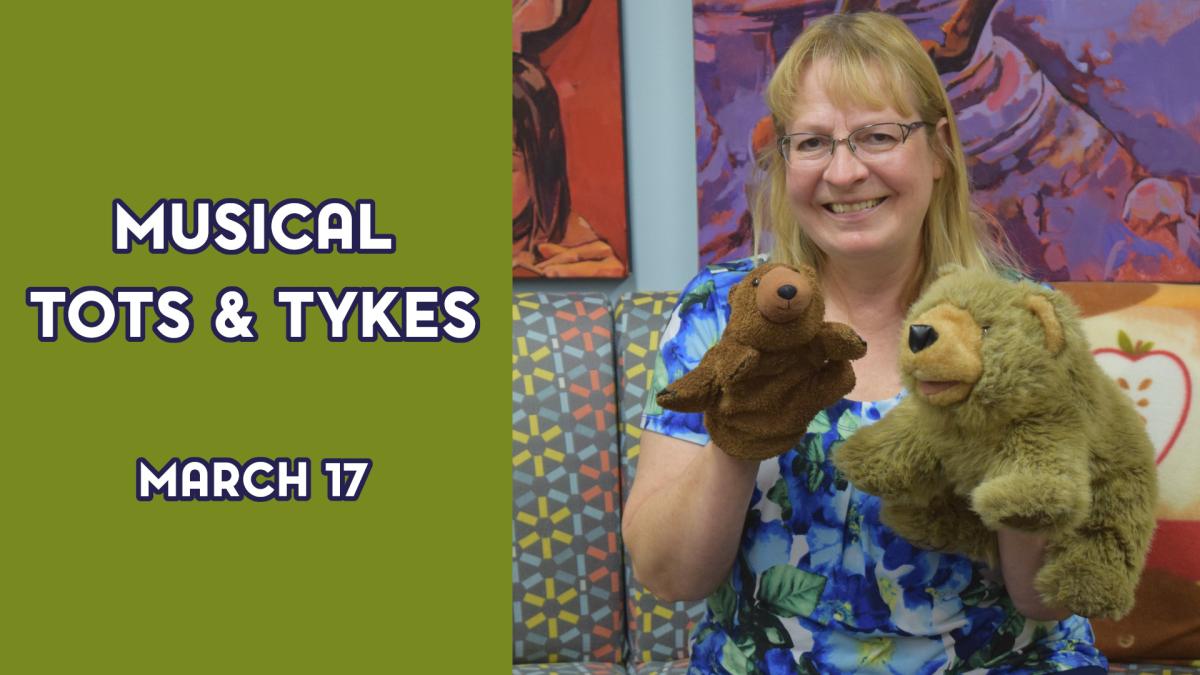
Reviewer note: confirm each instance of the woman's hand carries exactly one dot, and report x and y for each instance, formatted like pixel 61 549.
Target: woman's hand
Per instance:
pixel 593 259
pixel 1021 557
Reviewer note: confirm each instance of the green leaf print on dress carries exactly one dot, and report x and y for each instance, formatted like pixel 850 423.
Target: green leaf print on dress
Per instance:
pixel 722 602
pixel 788 591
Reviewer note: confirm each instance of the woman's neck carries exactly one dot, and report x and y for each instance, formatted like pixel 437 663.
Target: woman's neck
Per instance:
pixel 873 300
pixel 868 297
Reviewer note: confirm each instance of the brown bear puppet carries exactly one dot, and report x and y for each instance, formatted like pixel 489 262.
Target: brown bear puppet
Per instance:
pixel 776 366
pixel 1010 422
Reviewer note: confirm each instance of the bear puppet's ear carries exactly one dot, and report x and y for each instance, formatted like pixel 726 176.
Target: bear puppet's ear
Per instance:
pixel 1043 309
pixel 948 269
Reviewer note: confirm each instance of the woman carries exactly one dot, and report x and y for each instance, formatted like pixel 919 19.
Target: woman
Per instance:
pixel 868 185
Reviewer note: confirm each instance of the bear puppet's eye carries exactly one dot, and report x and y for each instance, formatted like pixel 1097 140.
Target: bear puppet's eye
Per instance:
pixel 986 329
pixel 754 283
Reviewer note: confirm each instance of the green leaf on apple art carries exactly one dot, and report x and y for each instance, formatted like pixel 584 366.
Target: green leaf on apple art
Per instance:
pixel 1130 347
pixel 1124 342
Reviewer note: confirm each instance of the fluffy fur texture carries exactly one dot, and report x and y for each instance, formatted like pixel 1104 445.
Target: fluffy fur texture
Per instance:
pixel 776 366
pixel 1010 422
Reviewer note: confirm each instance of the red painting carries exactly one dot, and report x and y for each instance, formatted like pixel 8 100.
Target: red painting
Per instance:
pixel 568 163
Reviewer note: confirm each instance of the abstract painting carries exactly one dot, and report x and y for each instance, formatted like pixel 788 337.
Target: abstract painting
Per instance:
pixel 1080 121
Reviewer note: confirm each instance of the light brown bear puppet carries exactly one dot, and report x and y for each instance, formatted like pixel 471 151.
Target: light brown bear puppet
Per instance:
pixel 776 366
pixel 1010 422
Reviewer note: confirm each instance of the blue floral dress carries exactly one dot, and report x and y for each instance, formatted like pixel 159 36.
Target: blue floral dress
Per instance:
pixel 819 584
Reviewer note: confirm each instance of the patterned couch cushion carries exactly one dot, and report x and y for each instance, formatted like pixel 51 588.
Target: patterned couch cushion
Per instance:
pixel 576 668
pixel 568 598
pixel 676 667
pixel 1153 669
pixel 658 631
pixel 1147 337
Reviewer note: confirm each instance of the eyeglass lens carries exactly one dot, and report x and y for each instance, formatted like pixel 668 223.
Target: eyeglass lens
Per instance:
pixel 868 141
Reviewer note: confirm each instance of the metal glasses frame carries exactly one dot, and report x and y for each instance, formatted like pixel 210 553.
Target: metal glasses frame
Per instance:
pixel 907 131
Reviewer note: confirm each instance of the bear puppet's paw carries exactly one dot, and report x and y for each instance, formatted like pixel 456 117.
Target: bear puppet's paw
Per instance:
pixel 887 460
pixel 1088 577
pixel 841 342
pixel 945 523
pixel 1041 504
pixel 690 393
pixel 869 467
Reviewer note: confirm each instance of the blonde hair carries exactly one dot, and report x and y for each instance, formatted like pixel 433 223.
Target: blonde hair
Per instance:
pixel 876 62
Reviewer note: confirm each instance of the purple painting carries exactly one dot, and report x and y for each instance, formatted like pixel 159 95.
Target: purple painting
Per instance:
pixel 1081 122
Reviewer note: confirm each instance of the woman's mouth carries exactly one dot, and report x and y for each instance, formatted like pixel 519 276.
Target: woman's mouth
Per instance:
pixel 842 208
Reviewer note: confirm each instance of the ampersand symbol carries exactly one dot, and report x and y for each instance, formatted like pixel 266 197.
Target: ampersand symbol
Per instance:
pixel 228 321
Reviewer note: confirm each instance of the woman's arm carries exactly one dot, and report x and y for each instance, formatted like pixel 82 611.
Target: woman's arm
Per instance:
pixel 1021 556
pixel 682 522
pixel 593 259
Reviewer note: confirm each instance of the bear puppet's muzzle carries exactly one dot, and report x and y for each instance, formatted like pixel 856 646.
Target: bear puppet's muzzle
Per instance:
pixel 943 354
pixel 782 295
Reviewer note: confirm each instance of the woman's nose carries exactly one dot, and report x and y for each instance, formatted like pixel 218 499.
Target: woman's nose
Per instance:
pixel 844 168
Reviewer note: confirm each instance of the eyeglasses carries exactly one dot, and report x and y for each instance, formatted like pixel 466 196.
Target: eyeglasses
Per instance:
pixel 868 142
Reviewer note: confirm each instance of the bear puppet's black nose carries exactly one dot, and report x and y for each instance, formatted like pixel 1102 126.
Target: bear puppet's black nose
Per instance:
pixel 786 291
pixel 921 336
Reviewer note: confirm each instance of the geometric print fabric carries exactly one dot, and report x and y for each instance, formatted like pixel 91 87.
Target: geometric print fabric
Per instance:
pixel 576 668
pixel 658 631
pixel 568 595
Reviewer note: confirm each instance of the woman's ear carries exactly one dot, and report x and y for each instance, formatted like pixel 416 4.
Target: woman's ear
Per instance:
pixel 941 131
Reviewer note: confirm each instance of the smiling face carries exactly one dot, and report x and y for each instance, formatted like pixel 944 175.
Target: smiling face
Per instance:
pixel 856 210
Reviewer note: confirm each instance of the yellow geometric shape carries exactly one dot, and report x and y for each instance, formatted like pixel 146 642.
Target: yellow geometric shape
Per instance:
pixel 528 539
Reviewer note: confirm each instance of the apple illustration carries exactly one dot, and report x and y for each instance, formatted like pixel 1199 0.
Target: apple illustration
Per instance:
pixel 1158 383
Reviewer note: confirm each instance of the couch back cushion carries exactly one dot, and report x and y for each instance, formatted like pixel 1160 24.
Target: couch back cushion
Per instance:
pixel 1147 337
pixel 568 596
pixel 658 631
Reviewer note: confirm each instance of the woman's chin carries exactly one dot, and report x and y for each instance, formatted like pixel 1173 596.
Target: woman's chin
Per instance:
pixel 866 242
pixel 866 248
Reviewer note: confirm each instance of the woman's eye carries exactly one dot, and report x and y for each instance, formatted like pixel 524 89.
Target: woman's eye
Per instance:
pixel 880 138
pixel 810 144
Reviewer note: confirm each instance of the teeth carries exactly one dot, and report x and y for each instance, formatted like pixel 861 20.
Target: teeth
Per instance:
pixel 856 206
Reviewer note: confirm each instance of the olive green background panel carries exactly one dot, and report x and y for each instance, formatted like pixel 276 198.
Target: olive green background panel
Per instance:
pixel 402 103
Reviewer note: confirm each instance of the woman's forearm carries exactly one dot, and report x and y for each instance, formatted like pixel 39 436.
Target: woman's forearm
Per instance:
pixel 683 523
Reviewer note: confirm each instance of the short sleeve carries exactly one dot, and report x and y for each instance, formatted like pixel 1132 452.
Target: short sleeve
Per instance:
pixel 695 326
